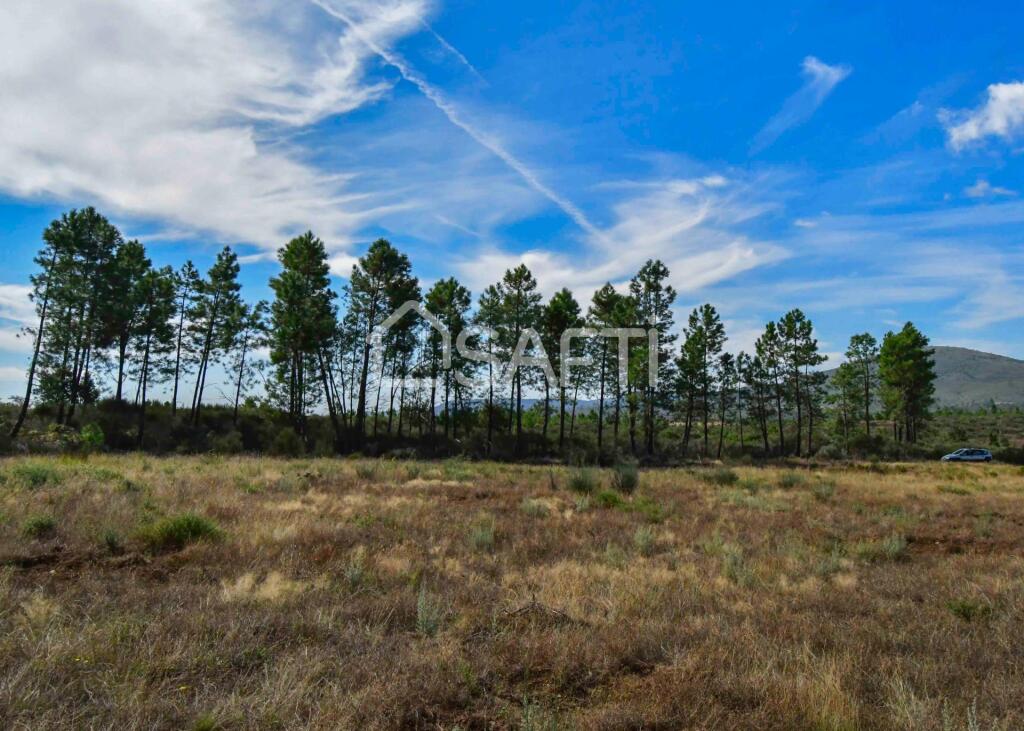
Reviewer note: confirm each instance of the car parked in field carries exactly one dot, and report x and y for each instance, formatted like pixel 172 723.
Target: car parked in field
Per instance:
pixel 968 455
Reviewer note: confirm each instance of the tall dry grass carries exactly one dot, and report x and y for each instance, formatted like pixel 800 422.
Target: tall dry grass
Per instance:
pixel 259 593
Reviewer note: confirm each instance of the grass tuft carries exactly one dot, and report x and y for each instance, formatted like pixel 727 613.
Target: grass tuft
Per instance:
pixel 38 526
pixel 583 482
pixel 720 476
pixel 609 499
pixel 890 548
pixel 626 478
pixel 429 614
pixel 171 534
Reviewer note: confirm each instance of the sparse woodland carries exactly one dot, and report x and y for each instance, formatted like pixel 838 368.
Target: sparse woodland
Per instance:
pixel 178 361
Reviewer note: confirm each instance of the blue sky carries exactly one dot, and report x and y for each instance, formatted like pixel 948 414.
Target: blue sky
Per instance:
pixel 863 161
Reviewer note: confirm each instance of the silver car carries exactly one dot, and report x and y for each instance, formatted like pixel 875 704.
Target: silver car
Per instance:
pixel 969 455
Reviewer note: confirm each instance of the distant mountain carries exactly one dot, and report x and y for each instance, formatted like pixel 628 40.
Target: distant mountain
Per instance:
pixel 966 377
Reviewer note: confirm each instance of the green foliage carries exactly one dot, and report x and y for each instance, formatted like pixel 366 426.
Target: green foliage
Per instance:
pixel 583 482
pixel 609 499
pixel 36 474
pixel 287 444
pixel 720 476
pixel 228 443
pixel 481 533
pixel 534 508
pixel 969 609
pixel 91 437
pixel 644 538
pixel 789 480
pixel 823 490
pixel 368 471
pixel 111 540
pixel 429 614
pixel 890 548
pixel 906 366
pixel 626 478
pixel 38 526
pixel 176 532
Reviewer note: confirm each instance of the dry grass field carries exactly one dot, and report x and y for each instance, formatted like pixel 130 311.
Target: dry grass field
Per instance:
pixel 138 592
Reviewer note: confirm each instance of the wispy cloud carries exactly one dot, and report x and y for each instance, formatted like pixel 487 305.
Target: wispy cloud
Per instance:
pixel 819 81
pixel 694 225
pixel 456 117
pixel 182 111
pixel 455 52
pixel 1001 115
pixel 983 189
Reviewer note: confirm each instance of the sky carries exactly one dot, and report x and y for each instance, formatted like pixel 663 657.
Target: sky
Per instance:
pixel 863 161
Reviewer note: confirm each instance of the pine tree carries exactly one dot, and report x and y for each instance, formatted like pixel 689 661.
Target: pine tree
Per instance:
pixel 561 313
pixel 153 334
pixel 252 334
pixel 186 284
pixel 489 318
pixel 213 319
pixel 862 355
pixel 449 302
pixel 706 338
pixel 654 299
pixel 128 270
pixel 906 367
pixel 601 315
pixel 378 284
pixel 303 317
pixel 520 312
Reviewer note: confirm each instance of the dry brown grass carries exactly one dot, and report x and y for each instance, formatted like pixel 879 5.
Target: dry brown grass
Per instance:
pixel 339 594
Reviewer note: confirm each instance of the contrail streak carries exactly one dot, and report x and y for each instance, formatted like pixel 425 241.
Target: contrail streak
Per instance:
pixel 455 52
pixel 453 115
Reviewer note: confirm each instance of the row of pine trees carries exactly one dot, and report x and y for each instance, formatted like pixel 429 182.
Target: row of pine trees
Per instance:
pixel 111 324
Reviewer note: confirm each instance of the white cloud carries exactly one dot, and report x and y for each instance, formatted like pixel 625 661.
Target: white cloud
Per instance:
pixel 690 224
pixel 180 110
pixel 15 304
pixel 458 118
pixel 10 375
pixel 983 189
pixel 1002 115
pixel 819 81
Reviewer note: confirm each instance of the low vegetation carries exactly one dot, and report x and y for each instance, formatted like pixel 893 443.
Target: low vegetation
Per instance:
pixel 235 593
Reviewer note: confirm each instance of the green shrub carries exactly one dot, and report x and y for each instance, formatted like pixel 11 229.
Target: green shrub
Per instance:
pixel 38 526
pixel 626 478
pixel 112 542
pixel 824 490
pixel 652 511
pixel 734 566
pixel 583 482
pixel 969 610
pixel 429 614
pixel 355 569
pixel 368 471
pixel 91 437
pixel 35 474
pixel 609 499
pixel 227 443
pixel 178 531
pixel 644 539
pixel 481 533
pixel 720 476
pixel 534 508
pixel 791 479
pixel 891 548
pixel 287 443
